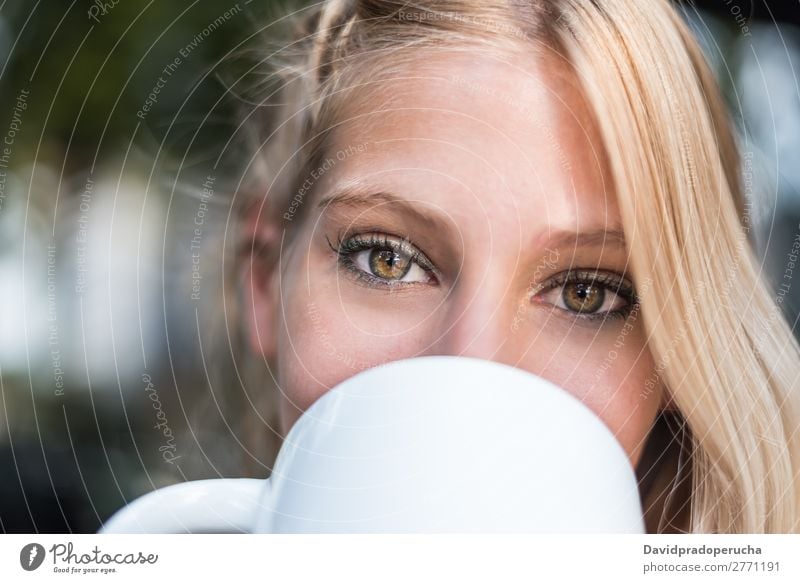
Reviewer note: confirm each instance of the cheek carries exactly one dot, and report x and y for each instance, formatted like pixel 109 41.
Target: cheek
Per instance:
pixel 323 340
pixel 611 378
pixel 330 330
pixel 312 355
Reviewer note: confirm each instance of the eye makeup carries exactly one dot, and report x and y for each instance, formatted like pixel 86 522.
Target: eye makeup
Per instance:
pixel 583 293
pixel 381 260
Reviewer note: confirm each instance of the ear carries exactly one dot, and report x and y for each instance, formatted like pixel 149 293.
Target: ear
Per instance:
pixel 258 260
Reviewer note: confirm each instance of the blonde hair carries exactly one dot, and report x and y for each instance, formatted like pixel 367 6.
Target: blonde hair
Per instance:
pixel 731 365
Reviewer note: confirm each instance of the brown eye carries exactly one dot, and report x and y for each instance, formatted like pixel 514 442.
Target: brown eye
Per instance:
pixel 588 294
pixel 384 260
pixel 584 298
pixel 389 264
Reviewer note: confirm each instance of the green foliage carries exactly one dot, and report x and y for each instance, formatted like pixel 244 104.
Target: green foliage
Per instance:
pixel 89 71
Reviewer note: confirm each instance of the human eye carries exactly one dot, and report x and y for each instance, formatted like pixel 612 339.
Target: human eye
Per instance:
pixel 589 294
pixel 379 259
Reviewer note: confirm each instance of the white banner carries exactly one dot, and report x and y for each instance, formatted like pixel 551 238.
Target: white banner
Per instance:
pixel 401 558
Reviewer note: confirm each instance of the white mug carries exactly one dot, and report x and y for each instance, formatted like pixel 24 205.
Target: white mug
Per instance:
pixel 431 444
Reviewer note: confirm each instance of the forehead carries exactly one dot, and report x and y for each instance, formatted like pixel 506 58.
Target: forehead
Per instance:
pixel 505 140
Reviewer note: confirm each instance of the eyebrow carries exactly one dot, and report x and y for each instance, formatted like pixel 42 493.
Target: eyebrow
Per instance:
pixel 605 237
pixel 355 195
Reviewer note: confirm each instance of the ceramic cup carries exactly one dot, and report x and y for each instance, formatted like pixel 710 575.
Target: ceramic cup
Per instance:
pixel 435 444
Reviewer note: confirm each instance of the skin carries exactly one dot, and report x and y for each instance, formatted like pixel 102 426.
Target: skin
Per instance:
pixel 494 170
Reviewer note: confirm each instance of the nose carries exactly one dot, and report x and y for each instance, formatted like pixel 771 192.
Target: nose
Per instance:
pixel 476 321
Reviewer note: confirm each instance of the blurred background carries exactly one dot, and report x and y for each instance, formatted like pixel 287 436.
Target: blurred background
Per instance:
pixel 119 147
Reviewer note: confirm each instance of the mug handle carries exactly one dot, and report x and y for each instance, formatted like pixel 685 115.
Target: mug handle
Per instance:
pixel 201 506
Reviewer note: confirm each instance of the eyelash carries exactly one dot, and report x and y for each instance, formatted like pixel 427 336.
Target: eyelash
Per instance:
pixel 346 248
pixel 611 282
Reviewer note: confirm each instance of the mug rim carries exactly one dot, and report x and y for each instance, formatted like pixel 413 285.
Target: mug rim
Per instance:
pixel 334 393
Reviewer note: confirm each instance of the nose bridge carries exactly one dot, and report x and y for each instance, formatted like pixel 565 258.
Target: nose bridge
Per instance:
pixel 476 321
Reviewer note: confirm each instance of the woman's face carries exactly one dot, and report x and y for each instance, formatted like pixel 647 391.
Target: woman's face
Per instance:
pixel 463 207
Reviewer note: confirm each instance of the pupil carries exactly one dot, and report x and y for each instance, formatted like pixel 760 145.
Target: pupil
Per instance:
pixel 390 258
pixel 582 297
pixel 389 264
